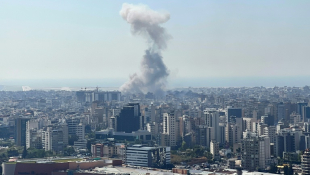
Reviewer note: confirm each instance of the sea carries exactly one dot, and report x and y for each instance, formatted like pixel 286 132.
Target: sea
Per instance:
pixel 171 83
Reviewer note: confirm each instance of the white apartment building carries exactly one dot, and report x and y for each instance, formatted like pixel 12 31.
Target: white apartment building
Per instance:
pixel 270 131
pixel 212 120
pixel 47 139
pixel 214 149
pixel 170 128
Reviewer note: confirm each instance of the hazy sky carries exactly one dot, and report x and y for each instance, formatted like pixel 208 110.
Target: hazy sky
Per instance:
pixel 89 39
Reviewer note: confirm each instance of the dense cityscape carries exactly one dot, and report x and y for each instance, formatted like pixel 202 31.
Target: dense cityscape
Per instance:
pixel 162 88
pixel 189 130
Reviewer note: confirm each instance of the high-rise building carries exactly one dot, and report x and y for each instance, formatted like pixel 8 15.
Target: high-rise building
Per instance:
pixel 47 139
pixel 281 111
pixel 57 143
pixel 147 115
pixel 99 113
pixel 260 128
pixel 72 125
pixel 152 110
pixel 264 151
pixel 300 107
pixel 255 152
pixel 233 113
pixel 64 128
pixel 20 131
pixel 306 113
pixel 202 135
pixel 250 153
pixel 286 142
pixel 150 114
pixel 129 119
pixel 305 162
pixel 152 128
pixel 33 139
pixel 270 131
pixel 295 118
pixel 306 127
pixel 170 128
pixel 54 138
pixel 222 133
pixel 184 125
pixel 90 96
pixel 248 124
pixel 233 133
pixel 212 120
pixel 80 96
pixel 267 119
pixel 80 132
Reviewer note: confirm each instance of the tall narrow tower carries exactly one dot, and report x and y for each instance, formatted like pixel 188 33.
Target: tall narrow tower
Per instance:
pixel 170 127
pixel 212 121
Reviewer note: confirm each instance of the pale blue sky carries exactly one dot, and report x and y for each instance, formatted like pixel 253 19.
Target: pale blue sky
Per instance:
pixel 88 39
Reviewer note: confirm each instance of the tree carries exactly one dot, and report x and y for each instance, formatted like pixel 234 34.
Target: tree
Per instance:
pixel 198 151
pixel 209 156
pixel 91 135
pixel 273 169
pixel 69 151
pixel 72 139
pixel 280 161
pixel 87 129
pixel 184 146
pixel 12 152
pixel 48 153
pixel 24 155
pixel 3 157
pixel 35 153
pixel 89 143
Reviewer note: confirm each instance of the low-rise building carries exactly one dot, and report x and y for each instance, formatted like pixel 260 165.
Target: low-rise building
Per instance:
pixel 108 150
pixel 156 157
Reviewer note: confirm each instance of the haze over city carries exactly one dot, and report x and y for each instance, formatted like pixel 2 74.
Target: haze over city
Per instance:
pixel 212 43
pixel 155 87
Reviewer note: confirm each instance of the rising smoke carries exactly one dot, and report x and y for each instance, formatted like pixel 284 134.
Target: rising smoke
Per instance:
pixel 154 73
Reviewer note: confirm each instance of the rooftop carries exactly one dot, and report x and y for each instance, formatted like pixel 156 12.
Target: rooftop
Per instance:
pixel 51 160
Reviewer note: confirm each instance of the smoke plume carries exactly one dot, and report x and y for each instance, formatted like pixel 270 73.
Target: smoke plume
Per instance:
pixel 154 73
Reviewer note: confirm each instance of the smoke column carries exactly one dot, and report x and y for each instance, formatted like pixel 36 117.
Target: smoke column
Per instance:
pixel 154 73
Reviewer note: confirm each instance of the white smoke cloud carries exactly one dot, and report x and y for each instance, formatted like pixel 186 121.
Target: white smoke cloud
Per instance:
pixel 146 22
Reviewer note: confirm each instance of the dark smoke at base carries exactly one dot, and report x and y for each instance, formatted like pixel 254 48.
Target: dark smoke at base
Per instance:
pixel 154 73
pixel 153 76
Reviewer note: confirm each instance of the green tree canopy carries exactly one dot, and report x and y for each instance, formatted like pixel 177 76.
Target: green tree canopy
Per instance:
pixel 69 151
